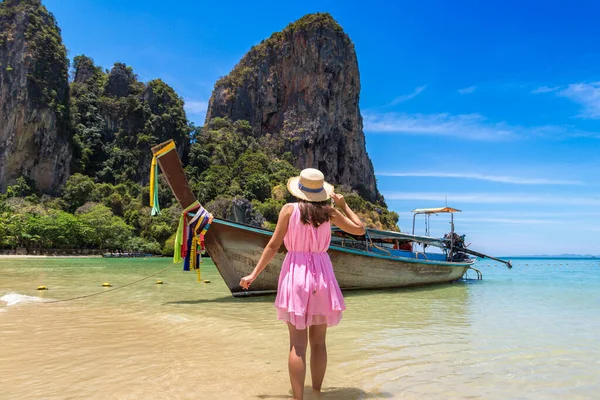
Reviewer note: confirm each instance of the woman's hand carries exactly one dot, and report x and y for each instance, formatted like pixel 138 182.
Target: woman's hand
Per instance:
pixel 350 222
pixel 339 200
pixel 246 281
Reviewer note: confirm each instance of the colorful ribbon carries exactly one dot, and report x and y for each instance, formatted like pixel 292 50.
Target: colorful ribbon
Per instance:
pixel 187 262
pixel 154 177
pixel 180 237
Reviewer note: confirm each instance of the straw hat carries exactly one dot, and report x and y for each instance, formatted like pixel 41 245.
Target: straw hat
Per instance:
pixel 310 186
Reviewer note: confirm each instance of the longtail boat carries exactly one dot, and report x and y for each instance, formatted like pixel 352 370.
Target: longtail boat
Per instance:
pixel 377 260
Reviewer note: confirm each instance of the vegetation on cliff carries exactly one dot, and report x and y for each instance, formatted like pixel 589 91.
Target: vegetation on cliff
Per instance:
pixel 117 119
pixel 249 63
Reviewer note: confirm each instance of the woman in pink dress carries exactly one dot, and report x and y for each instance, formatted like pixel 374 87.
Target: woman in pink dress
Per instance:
pixel 308 295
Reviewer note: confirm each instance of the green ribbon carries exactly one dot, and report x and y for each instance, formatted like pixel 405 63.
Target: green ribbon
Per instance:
pixel 154 194
pixel 178 241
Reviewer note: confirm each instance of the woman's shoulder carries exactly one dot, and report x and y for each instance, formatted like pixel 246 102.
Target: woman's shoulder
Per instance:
pixel 288 208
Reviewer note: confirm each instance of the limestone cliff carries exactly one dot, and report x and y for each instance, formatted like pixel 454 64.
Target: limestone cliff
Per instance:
pixel 35 135
pixel 301 87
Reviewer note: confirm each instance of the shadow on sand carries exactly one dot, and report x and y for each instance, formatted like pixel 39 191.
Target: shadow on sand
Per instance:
pixel 334 393
pixel 228 299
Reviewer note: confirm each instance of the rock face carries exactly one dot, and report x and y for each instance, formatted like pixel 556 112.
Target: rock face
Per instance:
pixel 301 86
pixel 35 135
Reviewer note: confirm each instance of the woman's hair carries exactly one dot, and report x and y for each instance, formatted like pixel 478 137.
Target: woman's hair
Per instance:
pixel 315 213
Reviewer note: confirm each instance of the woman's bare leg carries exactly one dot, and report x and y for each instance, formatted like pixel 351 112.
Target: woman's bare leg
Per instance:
pixel 297 360
pixel 318 354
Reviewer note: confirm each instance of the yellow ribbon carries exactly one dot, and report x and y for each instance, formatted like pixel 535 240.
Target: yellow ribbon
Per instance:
pixel 154 170
pixel 193 252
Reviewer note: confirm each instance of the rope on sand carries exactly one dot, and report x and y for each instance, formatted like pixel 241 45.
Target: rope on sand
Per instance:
pixel 109 290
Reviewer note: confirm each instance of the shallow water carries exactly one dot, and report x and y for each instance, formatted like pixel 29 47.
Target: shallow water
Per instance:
pixel 528 333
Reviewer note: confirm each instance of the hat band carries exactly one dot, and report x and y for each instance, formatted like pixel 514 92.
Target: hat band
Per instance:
pixel 309 190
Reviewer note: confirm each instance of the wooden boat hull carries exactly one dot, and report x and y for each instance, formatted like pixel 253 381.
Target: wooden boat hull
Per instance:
pixel 236 249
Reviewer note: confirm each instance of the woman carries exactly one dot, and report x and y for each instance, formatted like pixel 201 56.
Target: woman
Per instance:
pixel 308 295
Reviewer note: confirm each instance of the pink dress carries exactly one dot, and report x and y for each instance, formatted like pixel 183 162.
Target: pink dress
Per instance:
pixel 308 293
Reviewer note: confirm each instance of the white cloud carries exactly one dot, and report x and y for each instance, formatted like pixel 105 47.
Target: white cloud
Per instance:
pixel 483 177
pixel 587 95
pixel 524 221
pixel 589 228
pixel 407 97
pixel 496 198
pixel 545 89
pixel 463 126
pixel 467 90
pixel 195 107
pixel 466 126
pixel 554 213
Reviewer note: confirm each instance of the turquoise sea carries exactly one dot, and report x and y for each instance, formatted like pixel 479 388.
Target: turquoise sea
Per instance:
pixel 532 332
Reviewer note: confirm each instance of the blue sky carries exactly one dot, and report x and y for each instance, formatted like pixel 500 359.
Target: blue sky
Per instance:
pixel 494 107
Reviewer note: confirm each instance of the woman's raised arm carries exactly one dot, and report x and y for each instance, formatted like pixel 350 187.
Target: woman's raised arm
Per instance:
pixel 350 222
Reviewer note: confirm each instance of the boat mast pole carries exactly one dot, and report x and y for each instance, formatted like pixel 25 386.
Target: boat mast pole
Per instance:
pixel 451 235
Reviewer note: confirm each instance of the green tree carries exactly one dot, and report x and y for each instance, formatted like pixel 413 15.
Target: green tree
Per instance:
pixel 169 247
pixel 23 187
pixel 103 229
pixel 78 190
pixel 57 229
pixel 258 187
pixel 269 209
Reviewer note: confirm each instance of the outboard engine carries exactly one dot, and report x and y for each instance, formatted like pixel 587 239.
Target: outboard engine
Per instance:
pixel 456 239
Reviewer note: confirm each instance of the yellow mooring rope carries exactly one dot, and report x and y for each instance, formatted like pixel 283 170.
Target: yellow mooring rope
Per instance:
pixel 109 290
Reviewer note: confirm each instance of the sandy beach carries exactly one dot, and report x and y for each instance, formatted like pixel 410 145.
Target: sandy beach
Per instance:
pixel 185 339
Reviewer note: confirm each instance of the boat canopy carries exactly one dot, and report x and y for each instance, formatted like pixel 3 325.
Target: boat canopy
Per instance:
pixel 375 234
pixel 435 210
